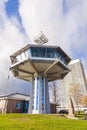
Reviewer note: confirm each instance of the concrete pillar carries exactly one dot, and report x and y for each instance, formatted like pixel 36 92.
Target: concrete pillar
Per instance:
pixel 39 100
pixel 31 98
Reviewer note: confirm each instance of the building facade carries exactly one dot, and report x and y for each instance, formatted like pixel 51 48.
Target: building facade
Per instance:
pixel 76 75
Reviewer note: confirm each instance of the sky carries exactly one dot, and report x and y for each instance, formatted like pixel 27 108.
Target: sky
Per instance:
pixel 64 22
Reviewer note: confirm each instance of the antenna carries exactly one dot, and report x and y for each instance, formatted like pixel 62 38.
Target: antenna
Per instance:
pixel 41 38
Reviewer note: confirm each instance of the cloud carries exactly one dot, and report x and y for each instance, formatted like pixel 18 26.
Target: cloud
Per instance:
pixel 11 39
pixel 64 22
pixel 47 16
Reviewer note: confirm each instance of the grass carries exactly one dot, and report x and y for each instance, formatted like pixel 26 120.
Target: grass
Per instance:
pixel 40 122
pixel 80 114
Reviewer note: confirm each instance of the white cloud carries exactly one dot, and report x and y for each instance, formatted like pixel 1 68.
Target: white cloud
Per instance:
pixel 64 25
pixel 11 39
pixel 47 16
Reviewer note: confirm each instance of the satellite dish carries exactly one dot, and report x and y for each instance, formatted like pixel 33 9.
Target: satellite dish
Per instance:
pixel 41 38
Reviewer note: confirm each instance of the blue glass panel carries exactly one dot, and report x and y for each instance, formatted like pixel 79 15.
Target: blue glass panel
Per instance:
pixel 37 94
pixel 28 53
pixel 34 52
pixel 18 105
pixel 18 58
pixel 23 55
pixel 42 93
pixel 50 52
pixel 25 106
pixel 46 53
pixel 41 52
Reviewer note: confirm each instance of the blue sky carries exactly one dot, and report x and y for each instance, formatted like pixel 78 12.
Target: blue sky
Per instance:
pixel 65 8
pixel 64 22
pixel 11 7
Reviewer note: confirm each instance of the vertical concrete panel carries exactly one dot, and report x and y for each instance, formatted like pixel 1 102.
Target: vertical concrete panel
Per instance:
pixel 31 98
pixel 40 95
pixel 47 96
pixel 39 105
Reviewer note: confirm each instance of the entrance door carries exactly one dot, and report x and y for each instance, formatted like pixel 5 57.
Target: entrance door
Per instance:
pixel 25 106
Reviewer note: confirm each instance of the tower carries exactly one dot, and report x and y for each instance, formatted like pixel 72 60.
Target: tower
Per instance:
pixel 39 64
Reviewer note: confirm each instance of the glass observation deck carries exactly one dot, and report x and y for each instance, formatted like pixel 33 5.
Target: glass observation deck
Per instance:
pixel 32 60
pixel 39 53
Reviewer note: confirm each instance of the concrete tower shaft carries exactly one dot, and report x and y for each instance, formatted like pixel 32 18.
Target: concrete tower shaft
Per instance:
pixel 39 96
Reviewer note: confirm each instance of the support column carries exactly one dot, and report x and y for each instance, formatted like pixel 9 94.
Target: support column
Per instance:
pixel 40 96
pixel 47 104
pixel 31 98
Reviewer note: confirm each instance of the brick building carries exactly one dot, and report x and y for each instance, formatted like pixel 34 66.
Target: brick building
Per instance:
pixel 18 103
pixel 14 103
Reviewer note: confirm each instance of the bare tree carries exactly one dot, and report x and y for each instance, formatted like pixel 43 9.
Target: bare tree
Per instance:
pixel 84 103
pixel 84 100
pixel 86 80
pixel 76 93
pixel 53 86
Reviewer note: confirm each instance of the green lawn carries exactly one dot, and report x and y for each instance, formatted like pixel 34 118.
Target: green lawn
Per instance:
pixel 39 122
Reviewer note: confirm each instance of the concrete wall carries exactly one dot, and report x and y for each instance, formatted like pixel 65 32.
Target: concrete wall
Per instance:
pixel 3 105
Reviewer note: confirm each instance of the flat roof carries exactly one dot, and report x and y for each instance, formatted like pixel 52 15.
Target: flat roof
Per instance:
pixel 74 61
pixel 18 96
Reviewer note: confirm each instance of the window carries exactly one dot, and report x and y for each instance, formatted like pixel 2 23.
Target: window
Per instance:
pixel 18 105
pixel 34 52
pixel 26 105
pixel 37 94
pixel 27 53
pixel 23 55
pixel 47 53
pixel 18 57
pixel 42 93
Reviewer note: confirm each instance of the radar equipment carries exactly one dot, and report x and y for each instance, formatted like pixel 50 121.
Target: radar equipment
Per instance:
pixel 41 38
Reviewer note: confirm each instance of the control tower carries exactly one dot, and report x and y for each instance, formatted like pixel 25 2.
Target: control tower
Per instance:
pixel 39 64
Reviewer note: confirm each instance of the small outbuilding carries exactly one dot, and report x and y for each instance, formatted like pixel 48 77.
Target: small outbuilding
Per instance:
pixel 14 103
